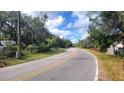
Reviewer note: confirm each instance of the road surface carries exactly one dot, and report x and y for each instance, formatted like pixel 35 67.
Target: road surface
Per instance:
pixel 72 65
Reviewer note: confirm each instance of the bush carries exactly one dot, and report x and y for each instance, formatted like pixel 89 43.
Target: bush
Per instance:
pixel 10 51
pixel 2 54
pixel 32 48
pixel 43 47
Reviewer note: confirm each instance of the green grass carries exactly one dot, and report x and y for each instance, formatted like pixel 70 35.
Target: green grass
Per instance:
pixel 32 56
pixel 112 64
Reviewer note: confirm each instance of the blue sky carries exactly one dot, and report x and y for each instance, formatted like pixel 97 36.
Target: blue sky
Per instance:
pixel 70 25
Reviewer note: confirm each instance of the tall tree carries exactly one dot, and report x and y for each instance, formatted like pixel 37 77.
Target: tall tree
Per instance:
pixel 103 28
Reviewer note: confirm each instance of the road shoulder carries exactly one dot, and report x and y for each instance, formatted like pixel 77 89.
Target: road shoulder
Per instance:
pixel 102 74
pixel 96 78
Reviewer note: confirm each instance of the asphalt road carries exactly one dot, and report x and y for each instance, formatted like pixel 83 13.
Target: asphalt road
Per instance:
pixel 72 65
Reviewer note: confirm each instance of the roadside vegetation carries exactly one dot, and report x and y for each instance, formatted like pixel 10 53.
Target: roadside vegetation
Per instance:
pixel 26 38
pixel 112 65
pixel 106 31
pixel 29 57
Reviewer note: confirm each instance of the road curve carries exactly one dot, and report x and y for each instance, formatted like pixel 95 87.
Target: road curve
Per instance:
pixel 72 65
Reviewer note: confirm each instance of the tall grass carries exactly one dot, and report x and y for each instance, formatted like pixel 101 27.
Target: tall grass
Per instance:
pixel 112 64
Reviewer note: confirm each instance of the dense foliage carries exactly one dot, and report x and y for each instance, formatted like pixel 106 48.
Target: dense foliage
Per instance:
pixel 105 28
pixel 34 35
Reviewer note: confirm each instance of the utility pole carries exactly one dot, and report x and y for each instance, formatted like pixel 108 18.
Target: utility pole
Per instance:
pixel 0 33
pixel 18 53
pixel 0 37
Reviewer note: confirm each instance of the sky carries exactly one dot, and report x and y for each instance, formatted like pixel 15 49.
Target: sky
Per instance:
pixel 70 25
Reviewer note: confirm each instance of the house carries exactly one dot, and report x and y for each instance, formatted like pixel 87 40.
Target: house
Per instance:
pixel 110 50
pixel 116 48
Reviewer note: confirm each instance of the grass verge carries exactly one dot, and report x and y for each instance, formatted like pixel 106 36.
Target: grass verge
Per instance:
pixel 111 66
pixel 31 56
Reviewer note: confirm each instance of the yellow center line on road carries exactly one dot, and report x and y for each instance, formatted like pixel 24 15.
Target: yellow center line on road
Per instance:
pixel 42 69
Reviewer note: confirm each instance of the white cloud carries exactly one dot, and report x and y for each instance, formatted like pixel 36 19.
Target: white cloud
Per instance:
pixel 80 14
pixel 54 23
pixel 60 33
pixel 81 24
pixel 84 36
pixel 74 40
pixel 82 20
pixel 82 30
pixel 55 20
pixel 69 25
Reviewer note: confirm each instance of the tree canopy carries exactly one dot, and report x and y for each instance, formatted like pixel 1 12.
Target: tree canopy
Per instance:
pixel 34 35
pixel 33 30
pixel 105 28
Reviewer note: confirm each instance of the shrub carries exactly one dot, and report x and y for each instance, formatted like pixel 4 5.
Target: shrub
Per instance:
pixel 2 54
pixel 10 51
pixel 43 47
pixel 32 48
pixel 29 47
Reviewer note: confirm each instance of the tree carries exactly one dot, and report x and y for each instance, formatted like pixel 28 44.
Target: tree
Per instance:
pixel 29 30
pixel 101 29
pixel 3 18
